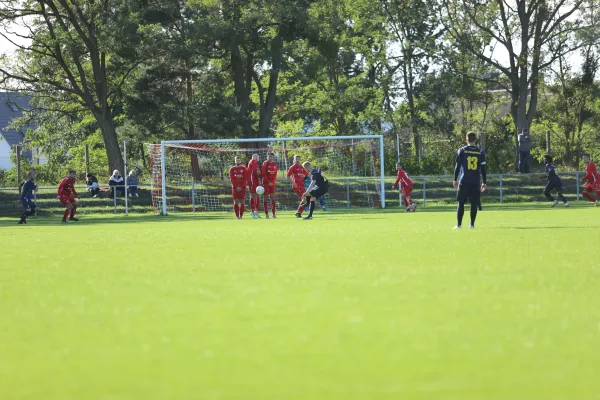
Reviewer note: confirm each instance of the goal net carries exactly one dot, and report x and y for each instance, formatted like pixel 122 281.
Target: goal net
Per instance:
pixel 193 176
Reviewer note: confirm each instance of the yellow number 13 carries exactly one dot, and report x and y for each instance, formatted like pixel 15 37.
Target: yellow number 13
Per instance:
pixel 472 163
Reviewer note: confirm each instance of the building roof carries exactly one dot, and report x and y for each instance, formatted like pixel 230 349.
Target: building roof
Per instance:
pixel 11 106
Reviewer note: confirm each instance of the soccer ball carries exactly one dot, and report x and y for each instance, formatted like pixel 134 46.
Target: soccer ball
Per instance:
pixel 260 190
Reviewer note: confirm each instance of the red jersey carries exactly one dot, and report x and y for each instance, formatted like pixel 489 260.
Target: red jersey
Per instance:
pixel 253 172
pixel 238 175
pixel 66 187
pixel 403 179
pixel 269 171
pixel 298 172
pixel 591 174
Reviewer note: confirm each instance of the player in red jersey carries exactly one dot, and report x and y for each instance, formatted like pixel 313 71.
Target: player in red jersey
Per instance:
pixel 66 195
pixel 592 180
pixel 269 177
pixel 296 175
pixel 238 175
pixel 406 187
pixel 254 174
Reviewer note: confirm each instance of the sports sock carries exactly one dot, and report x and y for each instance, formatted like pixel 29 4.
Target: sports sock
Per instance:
pixel 65 214
pixel 460 211
pixel 562 198
pixel 410 202
pixel 273 204
pixel 473 213
pixel 73 212
pixel 549 196
pixel 588 196
pixel 236 208
pixel 303 204
pixel 266 206
pixel 242 206
pixel 311 208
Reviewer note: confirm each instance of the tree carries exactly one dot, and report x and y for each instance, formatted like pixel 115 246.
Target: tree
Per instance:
pixel 416 29
pixel 332 84
pixel 570 112
pixel 76 58
pixel 181 93
pixel 532 34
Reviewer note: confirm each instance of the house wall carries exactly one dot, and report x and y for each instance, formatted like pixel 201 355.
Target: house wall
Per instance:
pixel 5 155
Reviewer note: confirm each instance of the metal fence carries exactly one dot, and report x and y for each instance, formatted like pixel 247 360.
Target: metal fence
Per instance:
pixel 107 201
pixel 427 190
pixel 501 188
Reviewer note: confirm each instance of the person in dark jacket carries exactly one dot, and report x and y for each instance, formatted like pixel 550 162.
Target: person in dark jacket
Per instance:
pixel 92 185
pixel 553 182
pixel 117 182
pixel 26 197
pixel 524 151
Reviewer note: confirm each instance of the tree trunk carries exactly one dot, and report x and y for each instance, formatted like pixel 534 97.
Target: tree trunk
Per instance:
pixel 408 89
pixel 514 114
pixel 191 131
pixel 242 94
pixel 113 150
pixel 269 107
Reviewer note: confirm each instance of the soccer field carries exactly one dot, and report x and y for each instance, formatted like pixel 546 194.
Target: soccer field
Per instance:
pixel 376 305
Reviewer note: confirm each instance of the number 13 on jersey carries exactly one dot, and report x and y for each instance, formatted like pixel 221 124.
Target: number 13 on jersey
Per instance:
pixel 472 163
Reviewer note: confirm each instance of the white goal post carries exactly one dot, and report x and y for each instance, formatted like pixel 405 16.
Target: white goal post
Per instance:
pixel 190 175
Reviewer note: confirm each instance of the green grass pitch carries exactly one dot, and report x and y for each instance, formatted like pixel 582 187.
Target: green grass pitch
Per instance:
pixel 363 305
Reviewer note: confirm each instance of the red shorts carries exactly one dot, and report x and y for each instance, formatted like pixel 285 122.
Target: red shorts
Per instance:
pixel 253 187
pixel 241 195
pixel 591 187
pixel 269 189
pixel 299 189
pixel 67 199
pixel 407 190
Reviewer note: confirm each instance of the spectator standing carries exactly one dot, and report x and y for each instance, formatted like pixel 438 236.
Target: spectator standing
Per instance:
pixel 524 151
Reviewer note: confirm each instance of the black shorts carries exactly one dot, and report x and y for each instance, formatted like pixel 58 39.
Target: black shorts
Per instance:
pixel 553 185
pixel 319 191
pixel 28 204
pixel 470 192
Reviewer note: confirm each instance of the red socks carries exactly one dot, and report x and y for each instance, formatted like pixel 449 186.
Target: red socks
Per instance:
pixel 266 206
pixel 239 210
pixel 73 212
pixel 588 196
pixel 65 215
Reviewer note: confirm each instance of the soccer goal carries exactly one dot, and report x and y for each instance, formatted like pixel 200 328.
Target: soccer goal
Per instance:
pixel 193 175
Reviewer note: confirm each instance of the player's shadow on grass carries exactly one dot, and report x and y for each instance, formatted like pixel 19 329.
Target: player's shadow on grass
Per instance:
pixel 544 227
pixel 113 219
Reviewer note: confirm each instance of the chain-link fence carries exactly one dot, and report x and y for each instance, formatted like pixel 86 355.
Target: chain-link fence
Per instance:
pixel 428 190
pixel 505 188
pixel 106 200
